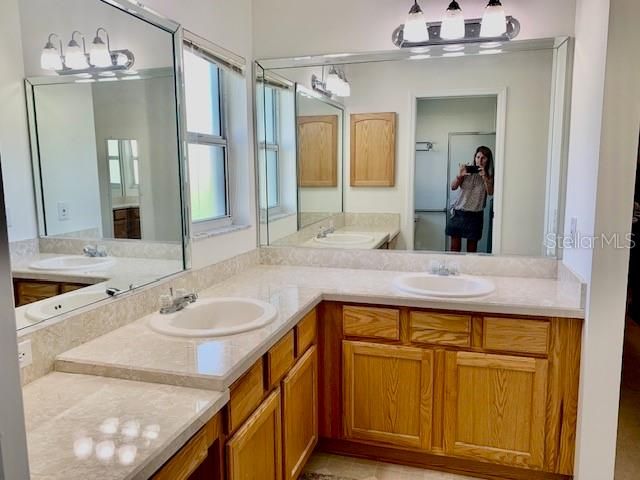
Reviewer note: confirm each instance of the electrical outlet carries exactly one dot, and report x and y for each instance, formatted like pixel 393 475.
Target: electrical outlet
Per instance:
pixel 25 356
pixel 63 211
pixel 573 229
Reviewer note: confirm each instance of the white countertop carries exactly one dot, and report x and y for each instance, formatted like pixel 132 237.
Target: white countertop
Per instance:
pixel 135 351
pixel 124 272
pixel 69 419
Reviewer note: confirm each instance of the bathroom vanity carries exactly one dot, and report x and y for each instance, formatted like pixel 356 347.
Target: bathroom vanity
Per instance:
pixel 464 392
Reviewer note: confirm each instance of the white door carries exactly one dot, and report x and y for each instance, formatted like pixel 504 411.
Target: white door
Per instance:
pixel 430 199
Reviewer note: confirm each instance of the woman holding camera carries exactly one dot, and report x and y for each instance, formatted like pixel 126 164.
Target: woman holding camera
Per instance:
pixel 467 212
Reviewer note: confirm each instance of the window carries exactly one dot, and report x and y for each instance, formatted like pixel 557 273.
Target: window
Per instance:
pixel 271 146
pixel 207 143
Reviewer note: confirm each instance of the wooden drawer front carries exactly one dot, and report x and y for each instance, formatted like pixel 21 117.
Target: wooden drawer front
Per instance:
pixel 515 335
pixel 371 322
pixel 306 332
pixel 184 463
pixel 246 395
pixel 120 214
pixel 440 329
pixel 29 292
pixel 280 359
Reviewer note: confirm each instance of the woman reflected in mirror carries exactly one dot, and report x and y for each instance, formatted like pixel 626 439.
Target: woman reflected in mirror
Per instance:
pixel 475 182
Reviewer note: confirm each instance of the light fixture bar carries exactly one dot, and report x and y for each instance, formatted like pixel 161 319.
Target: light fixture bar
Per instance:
pixel 472 34
pixel 320 86
pixel 126 63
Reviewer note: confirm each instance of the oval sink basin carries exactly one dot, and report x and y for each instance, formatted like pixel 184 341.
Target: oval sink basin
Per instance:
pixel 457 286
pixel 215 317
pixel 73 262
pixel 345 239
pixel 62 304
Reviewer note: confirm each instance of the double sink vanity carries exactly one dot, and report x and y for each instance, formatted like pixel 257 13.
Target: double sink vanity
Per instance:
pixel 478 378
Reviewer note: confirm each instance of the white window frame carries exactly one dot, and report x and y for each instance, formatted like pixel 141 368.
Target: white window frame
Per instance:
pixel 274 147
pixel 195 138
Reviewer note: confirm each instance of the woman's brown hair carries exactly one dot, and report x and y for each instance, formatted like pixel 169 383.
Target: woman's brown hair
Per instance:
pixel 486 151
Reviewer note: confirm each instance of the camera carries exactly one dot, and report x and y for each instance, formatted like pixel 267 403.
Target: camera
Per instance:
pixel 472 168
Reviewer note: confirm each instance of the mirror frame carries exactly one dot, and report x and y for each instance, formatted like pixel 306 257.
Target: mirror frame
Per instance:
pixel 151 17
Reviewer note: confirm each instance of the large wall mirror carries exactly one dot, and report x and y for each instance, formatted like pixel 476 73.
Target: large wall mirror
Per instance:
pixel 105 143
pixel 449 148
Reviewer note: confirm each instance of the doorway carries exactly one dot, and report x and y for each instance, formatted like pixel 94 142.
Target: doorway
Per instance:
pixel 448 132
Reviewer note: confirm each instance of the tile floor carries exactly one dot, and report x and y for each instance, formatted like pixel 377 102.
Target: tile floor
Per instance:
pixel 628 449
pixel 358 469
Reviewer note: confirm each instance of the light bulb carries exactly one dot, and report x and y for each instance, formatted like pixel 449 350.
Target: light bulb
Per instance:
pixel 99 55
pixel 415 28
pixel 50 58
pixel 494 20
pixel 452 23
pixel 74 57
pixel 333 81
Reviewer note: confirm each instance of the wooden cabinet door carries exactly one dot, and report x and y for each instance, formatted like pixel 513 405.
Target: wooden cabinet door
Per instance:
pixel 373 149
pixel 300 413
pixel 255 451
pixel 495 408
pixel 388 394
pixel 318 151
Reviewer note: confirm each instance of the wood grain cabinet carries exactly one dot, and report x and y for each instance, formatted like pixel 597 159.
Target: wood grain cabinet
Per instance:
pixel 388 394
pixel 495 408
pixel 255 450
pixel 373 149
pixel 318 151
pixel 300 413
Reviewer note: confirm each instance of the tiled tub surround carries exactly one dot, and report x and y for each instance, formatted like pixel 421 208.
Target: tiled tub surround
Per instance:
pixel 59 334
pixel 123 273
pixel 85 427
pixel 136 352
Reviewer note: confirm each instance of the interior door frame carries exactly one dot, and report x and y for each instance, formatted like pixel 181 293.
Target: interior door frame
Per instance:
pixel 501 120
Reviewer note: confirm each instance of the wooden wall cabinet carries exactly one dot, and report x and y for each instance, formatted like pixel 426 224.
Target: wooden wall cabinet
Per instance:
pixel 318 151
pixel 126 223
pixel 388 394
pixel 373 149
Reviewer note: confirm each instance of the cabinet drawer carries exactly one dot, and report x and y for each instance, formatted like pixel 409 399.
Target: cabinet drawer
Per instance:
pixel 371 322
pixel 120 214
pixel 440 329
pixel 280 359
pixel 515 335
pixel 184 463
pixel 246 395
pixel 306 332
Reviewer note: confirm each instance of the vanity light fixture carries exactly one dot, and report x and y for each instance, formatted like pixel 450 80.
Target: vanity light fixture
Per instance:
pixel 76 56
pixel 333 81
pixel 76 61
pixel 415 28
pixel 51 57
pixel 452 23
pixel 495 26
pixel 100 54
pixel 494 20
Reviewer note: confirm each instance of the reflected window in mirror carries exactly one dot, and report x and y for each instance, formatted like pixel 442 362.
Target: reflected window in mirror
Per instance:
pixel 271 147
pixel 207 142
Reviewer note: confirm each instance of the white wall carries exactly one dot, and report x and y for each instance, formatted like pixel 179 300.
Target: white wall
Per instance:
pixel 68 159
pixel 385 87
pixel 227 24
pixel 601 197
pixel 14 140
pixel 284 28
pixel 13 444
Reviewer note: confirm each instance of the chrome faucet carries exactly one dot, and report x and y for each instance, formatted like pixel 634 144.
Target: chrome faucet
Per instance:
pixel 174 303
pixel 324 231
pixel 94 251
pixel 444 270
